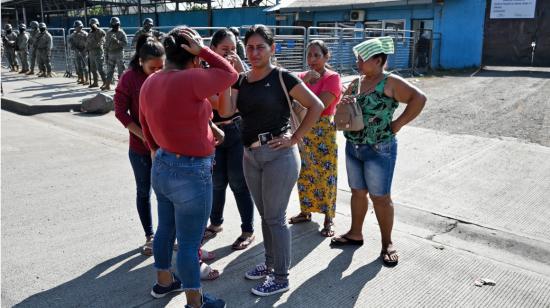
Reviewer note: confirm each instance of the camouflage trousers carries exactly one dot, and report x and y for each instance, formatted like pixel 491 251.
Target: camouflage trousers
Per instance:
pixel 96 64
pixel 115 59
pixel 33 58
pixel 44 60
pixel 24 59
pixel 80 63
pixel 10 55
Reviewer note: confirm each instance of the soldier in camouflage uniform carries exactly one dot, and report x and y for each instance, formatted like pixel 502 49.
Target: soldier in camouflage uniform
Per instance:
pixel 32 39
pixel 147 29
pixel 9 40
pixel 44 45
pixel 77 42
pixel 94 46
pixel 114 49
pixel 23 48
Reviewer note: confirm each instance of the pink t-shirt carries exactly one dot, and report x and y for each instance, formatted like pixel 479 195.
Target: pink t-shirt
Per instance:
pixel 329 82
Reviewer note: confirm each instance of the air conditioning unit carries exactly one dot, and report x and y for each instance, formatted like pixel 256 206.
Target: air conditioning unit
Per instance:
pixel 357 15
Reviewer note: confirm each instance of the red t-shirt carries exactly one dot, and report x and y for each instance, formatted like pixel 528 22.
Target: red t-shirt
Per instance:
pixel 329 82
pixel 127 105
pixel 174 111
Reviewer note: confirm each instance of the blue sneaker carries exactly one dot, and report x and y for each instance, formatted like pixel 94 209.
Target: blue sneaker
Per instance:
pixel 270 287
pixel 159 291
pixel 208 301
pixel 259 272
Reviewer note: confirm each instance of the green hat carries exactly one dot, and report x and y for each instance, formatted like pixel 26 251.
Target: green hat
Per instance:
pixel 371 47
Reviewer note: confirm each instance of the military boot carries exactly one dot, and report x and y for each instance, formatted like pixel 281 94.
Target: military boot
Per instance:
pixel 106 86
pixel 94 84
pixel 79 80
pixel 49 75
pixel 85 80
pixel 30 73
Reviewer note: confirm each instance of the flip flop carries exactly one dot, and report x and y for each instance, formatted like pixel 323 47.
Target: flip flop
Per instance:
pixel 389 262
pixel 337 242
pixel 210 233
pixel 328 229
pixel 242 242
pixel 300 218
pixel 208 273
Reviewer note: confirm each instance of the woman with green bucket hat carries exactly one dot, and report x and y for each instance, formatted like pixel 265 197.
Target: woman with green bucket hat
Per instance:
pixel 372 151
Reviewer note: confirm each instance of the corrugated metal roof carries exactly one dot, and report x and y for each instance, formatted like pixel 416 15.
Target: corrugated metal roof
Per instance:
pixel 302 5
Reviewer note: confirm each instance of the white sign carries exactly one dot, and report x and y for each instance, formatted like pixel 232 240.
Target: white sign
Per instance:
pixel 513 8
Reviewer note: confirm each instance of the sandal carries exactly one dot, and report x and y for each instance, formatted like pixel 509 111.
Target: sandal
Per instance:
pixel 211 232
pixel 208 273
pixel 207 255
pixel 328 229
pixel 389 257
pixel 242 242
pixel 344 240
pixel 147 249
pixel 300 218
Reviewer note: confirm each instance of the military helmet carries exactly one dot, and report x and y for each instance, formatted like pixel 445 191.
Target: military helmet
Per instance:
pixel 148 21
pixel 94 21
pixel 115 21
pixel 7 27
pixel 78 23
pixel 34 24
pixel 22 27
pixel 41 25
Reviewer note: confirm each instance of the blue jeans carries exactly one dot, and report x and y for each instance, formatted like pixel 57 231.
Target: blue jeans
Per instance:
pixel 141 164
pixel 183 186
pixel 370 166
pixel 228 169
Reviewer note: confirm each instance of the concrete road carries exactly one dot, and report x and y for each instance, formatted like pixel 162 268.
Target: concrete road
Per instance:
pixel 465 209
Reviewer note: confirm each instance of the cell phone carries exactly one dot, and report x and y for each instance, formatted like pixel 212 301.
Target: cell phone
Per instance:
pixel 264 138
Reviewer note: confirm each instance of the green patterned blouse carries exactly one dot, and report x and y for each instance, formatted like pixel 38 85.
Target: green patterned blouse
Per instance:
pixel 378 112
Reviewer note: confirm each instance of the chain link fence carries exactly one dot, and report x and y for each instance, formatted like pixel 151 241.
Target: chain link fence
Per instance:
pixel 414 51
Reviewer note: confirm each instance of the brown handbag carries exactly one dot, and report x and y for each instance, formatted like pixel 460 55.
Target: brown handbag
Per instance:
pixel 349 117
pixel 297 111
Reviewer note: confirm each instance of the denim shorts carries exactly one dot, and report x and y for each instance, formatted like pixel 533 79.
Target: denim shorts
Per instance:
pixel 370 166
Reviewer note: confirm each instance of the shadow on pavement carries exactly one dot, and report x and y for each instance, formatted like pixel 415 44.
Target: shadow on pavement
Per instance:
pixel 513 73
pixel 330 287
pixel 103 286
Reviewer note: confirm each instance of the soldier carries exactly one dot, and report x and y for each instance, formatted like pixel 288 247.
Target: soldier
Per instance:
pixel 114 50
pixel 44 45
pixel 23 48
pixel 77 42
pixel 94 46
pixel 9 40
pixel 32 40
pixel 147 28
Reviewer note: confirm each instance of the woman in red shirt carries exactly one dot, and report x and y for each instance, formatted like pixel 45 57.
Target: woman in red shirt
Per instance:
pixel 175 115
pixel 149 58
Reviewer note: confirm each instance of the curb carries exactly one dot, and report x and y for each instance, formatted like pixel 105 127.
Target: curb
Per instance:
pixel 18 107
pixel 519 250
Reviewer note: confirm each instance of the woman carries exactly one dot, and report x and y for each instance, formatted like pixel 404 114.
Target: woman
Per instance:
pixel 319 153
pixel 372 151
pixel 148 58
pixel 228 168
pixel 271 160
pixel 176 128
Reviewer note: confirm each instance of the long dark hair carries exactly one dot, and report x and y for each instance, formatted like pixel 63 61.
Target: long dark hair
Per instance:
pixel 324 50
pixel 134 63
pixel 172 44
pixel 221 35
pixel 262 31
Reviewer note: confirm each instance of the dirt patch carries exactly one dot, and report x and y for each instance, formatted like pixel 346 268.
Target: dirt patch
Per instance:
pixel 496 102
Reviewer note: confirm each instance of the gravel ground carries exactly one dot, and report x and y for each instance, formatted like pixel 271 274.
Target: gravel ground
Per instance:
pixel 494 102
